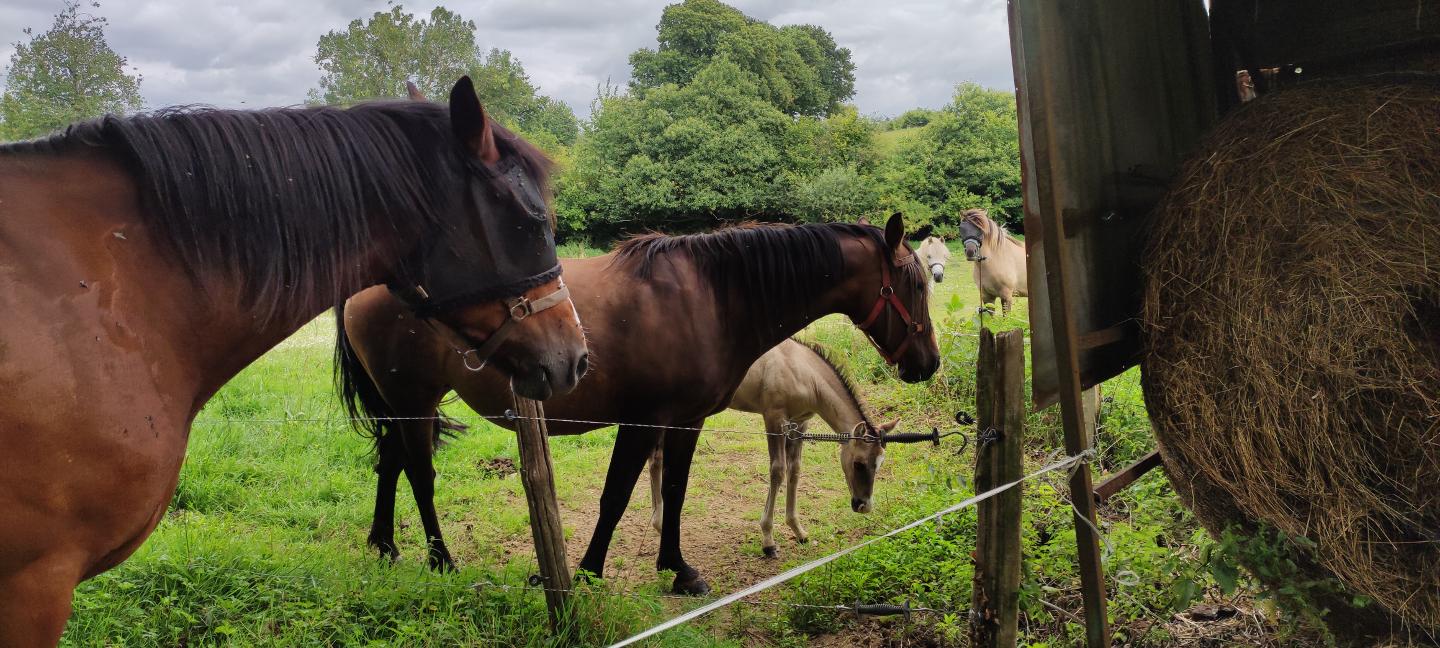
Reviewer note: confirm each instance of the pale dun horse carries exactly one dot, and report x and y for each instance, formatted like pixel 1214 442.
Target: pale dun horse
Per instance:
pixel 999 259
pixel 791 384
pixel 1000 272
pixel 934 254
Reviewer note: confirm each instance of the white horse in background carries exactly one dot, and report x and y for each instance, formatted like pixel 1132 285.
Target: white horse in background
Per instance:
pixel 999 259
pixel 792 383
pixel 934 254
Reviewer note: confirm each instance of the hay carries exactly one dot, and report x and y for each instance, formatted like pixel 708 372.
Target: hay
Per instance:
pixel 1292 314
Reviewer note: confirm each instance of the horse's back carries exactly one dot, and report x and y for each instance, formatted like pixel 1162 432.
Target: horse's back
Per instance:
pixel 1003 269
pixel 782 380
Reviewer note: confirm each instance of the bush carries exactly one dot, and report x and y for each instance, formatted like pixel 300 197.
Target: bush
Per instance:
pixel 835 194
pixel 967 156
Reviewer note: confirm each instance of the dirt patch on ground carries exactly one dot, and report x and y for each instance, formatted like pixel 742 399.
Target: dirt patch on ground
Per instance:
pixel 720 534
pixel 876 633
pixel 497 468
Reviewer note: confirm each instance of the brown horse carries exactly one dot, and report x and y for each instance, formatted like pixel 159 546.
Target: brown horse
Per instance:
pixel 673 324
pixel 145 260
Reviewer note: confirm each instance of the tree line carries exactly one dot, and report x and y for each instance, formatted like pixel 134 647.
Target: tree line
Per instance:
pixel 725 119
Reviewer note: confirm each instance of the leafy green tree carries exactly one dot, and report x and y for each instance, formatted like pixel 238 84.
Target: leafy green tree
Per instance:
pixel 689 37
pixel 967 156
pixel 913 119
pixel 830 61
pixel 65 75
pixel 729 119
pixel 798 69
pixel 503 85
pixel 679 158
pixel 374 58
pixel 837 193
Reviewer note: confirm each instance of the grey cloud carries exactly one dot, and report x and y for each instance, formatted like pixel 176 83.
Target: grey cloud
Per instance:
pixel 260 52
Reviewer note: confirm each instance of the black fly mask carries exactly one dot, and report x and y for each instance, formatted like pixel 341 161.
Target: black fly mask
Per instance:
pixel 497 258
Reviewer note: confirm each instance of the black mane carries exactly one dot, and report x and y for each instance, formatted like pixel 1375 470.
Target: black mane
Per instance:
pixel 844 379
pixel 286 201
pixel 779 269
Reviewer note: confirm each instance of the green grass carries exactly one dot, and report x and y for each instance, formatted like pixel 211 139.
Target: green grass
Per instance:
pixel 265 540
pixel 887 143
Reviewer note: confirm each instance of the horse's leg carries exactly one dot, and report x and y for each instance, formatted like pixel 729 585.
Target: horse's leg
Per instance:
pixel 1007 298
pixel 792 481
pixel 36 602
pixel 632 446
pixel 775 439
pixel 390 454
pixel 656 462
pixel 679 452
pixel 419 437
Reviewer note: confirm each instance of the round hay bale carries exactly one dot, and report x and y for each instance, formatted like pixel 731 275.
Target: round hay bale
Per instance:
pixel 1292 319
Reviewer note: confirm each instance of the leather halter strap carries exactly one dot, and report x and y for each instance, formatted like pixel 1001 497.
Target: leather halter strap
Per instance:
pixel 517 309
pixel 887 300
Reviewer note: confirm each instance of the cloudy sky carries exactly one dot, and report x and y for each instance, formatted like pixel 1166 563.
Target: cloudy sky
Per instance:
pixel 256 53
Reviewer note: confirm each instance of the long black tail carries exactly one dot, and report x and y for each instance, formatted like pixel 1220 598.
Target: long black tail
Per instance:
pixel 447 426
pixel 369 413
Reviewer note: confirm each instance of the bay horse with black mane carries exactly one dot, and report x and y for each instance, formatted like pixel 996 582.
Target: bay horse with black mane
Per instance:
pixel 146 260
pixel 673 324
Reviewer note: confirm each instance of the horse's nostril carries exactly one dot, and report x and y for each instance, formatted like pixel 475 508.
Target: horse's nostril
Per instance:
pixel 583 364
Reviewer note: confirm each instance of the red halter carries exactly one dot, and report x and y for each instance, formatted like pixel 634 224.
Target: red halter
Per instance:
pixel 888 298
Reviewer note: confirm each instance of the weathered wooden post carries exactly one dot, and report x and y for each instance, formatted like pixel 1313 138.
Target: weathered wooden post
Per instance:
pixel 1000 406
pixel 537 475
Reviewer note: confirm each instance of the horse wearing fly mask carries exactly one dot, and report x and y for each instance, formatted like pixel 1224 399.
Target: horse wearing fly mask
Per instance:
pixel 146 260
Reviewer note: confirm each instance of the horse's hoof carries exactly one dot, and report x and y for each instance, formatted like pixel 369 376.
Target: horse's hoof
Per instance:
pixel 441 561
pixel 443 565
pixel 770 552
pixel 388 552
pixel 689 583
pixel 803 538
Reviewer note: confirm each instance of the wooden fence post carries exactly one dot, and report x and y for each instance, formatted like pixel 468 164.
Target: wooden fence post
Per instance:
pixel 1000 405
pixel 537 475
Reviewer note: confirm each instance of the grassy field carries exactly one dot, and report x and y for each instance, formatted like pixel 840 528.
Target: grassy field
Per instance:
pixel 265 540
pixel 887 143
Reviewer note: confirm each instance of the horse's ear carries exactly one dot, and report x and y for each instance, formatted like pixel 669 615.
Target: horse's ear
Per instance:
pixel 887 427
pixel 414 92
pixel 863 221
pixel 468 120
pixel 895 231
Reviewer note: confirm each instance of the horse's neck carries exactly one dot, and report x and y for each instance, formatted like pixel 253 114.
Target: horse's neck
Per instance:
pixel 234 337
pixel 833 401
pixel 839 298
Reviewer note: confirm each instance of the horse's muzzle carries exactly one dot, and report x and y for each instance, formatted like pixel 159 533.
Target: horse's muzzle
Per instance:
pixel 553 377
pixel 860 505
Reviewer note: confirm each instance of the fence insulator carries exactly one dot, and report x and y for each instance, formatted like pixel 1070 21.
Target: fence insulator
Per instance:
pixel 882 609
